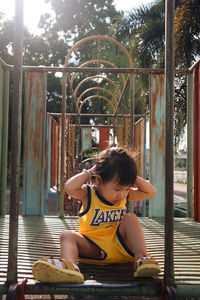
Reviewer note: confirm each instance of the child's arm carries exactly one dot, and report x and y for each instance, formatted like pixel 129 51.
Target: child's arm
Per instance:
pixel 75 185
pixel 144 190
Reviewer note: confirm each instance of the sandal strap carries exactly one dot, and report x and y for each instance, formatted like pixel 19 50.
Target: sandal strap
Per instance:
pixel 58 263
pixel 140 260
pixel 54 261
pixel 69 265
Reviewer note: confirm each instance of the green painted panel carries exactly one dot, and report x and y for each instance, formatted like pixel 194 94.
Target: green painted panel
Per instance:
pixel 86 139
pixel 157 145
pixel 34 143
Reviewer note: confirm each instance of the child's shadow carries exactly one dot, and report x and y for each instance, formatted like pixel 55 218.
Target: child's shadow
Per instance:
pixel 115 273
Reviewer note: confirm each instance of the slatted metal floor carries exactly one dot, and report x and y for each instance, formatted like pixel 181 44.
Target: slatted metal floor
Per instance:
pixel 39 236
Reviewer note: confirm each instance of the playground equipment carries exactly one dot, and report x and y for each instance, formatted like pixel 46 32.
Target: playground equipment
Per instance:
pixel 179 259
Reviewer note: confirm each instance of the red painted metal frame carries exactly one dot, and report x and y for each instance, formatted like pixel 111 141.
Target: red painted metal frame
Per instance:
pixel 197 142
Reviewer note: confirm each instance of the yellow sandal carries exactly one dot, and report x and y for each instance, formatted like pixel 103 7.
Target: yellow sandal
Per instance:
pixel 146 266
pixel 52 270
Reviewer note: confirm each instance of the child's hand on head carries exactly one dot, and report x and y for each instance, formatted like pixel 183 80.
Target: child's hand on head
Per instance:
pixel 93 169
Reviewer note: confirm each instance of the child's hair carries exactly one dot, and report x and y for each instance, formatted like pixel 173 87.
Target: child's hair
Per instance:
pixel 117 163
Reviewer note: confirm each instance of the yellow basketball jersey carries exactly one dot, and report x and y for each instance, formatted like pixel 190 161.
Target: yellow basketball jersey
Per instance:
pixel 99 224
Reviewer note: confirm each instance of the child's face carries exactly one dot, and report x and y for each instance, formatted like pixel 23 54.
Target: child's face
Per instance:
pixel 113 192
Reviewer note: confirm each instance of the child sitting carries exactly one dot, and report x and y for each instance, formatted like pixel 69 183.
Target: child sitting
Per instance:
pixel 107 234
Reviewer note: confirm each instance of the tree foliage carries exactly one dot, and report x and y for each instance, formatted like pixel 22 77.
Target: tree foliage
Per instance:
pixel 142 30
pixel 77 19
pixel 187 32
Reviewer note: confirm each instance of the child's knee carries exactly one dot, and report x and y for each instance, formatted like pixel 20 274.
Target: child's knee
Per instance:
pixel 130 216
pixel 66 235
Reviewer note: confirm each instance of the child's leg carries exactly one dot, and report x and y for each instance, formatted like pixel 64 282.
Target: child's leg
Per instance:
pixel 74 244
pixel 132 233
pixel 66 269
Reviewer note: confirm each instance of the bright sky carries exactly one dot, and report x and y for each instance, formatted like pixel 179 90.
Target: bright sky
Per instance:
pixel 34 8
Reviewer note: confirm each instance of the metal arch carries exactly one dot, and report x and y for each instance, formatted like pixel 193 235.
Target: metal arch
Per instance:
pixel 96 88
pixel 98 61
pixel 99 37
pixel 97 96
pixel 97 76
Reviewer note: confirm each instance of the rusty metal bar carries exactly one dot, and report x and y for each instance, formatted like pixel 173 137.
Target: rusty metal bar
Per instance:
pixel 122 94
pixel 144 161
pixel 101 70
pixel 196 143
pixel 93 70
pixel 72 93
pixel 169 169
pixel 5 65
pixel 132 104
pixel 4 101
pixel 196 64
pixel 15 142
pixel 62 171
pixel 96 115
pixel 190 141
pixel 90 126
pixel 132 121
pixel 53 162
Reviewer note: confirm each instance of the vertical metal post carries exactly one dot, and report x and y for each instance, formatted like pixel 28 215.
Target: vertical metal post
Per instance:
pixel 169 170
pixel 190 99
pixel 15 142
pixel 196 142
pixel 145 147
pixel 4 154
pixel 132 123
pixel 144 161
pixel 132 116
pixel 61 199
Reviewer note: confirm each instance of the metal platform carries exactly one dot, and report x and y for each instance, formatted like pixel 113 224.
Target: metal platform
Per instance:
pixel 39 236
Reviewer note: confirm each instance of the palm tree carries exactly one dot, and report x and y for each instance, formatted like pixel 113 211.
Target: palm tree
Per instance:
pixel 187 32
pixel 142 31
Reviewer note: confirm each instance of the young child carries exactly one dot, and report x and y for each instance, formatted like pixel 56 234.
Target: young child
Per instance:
pixel 107 234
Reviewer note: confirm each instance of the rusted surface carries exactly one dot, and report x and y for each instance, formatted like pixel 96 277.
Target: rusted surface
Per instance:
pixel 86 138
pixel 126 130
pixel 97 77
pixel 98 89
pixel 126 85
pixel 139 145
pixel 132 114
pixel 96 97
pixel 54 155
pixel 157 144
pixel 34 144
pixel 99 37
